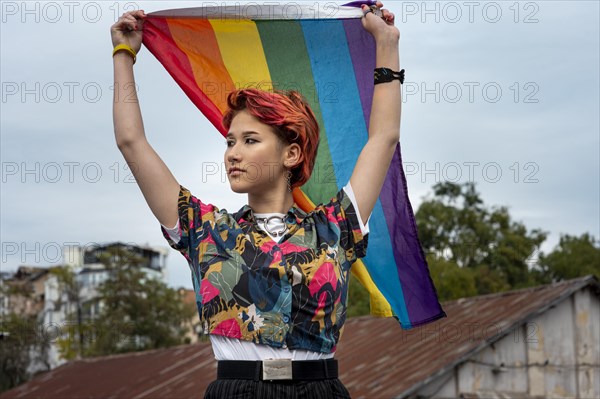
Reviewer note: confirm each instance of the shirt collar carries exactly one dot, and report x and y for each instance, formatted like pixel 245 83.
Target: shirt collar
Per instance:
pixel 247 214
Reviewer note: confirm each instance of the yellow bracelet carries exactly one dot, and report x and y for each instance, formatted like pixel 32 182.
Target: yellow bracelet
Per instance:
pixel 124 47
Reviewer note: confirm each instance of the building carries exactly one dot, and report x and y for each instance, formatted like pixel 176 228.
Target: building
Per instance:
pixel 88 264
pixel 541 342
pixel 24 291
pixel 58 303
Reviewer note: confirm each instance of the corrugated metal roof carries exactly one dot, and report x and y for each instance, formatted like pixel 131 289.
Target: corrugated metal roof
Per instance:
pixel 180 372
pixel 498 395
pixel 377 358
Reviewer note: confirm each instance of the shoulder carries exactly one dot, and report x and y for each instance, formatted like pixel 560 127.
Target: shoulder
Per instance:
pixel 193 204
pixel 343 208
pixel 337 207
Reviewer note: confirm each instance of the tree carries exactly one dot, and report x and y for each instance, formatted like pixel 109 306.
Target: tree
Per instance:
pixel 460 233
pixel 68 285
pixel 358 299
pixel 572 257
pixel 23 343
pixel 474 249
pixel 138 312
pixel 451 281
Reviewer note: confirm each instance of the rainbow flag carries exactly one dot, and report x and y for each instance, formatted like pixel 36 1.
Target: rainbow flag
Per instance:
pixel 323 51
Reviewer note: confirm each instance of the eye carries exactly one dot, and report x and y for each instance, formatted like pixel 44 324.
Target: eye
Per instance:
pixel 229 143
pixel 251 141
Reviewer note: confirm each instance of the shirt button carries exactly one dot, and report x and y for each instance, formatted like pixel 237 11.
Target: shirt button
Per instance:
pixel 286 318
pixel 287 288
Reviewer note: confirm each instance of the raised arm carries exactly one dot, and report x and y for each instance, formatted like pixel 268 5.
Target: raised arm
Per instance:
pixel 384 124
pixel 158 185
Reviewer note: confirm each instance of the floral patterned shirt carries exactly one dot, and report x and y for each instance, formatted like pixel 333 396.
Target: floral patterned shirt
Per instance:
pixel 289 294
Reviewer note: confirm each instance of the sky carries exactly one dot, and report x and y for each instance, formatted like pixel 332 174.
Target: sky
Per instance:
pixel 504 94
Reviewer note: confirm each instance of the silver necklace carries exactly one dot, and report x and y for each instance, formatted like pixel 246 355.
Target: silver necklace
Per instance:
pixel 276 233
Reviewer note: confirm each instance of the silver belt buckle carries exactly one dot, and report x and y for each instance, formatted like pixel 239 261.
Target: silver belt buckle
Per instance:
pixel 277 369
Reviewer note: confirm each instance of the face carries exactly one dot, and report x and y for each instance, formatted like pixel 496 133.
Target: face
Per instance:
pixel 255 156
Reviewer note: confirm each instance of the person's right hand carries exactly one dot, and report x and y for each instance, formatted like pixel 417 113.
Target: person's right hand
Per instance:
pixel 128 30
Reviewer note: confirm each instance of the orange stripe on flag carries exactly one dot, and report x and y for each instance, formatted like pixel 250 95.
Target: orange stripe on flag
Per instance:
pixel 196 38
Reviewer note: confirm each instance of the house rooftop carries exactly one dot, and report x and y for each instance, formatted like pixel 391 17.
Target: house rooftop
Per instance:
pixel 377 358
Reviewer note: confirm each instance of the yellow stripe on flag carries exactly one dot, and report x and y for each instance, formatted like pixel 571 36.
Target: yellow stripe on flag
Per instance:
pixel 243 53
pixel 380 307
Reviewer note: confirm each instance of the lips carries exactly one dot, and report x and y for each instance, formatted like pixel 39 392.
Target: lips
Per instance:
pixel 235 171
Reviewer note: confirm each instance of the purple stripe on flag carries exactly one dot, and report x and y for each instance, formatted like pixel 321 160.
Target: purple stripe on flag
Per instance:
pixel 418 289
pixel 359 3
pixel 362 52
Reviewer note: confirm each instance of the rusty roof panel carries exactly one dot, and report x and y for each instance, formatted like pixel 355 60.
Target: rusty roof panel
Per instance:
pixel 377 358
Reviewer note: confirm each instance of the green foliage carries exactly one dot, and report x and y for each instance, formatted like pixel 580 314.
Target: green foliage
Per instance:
pixel 572 257
pixel 73 346
pixel 451 281
pixel 138 312
pixel 22 343
pixel 467 241
pixel 66 280
pixel 358 299
pixel 489 280
pixel 474 249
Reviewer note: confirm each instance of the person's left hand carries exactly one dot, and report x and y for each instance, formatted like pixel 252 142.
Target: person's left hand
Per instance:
pixel 382 28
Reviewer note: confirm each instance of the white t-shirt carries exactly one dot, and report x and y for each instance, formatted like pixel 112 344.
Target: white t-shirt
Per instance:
pixel 226 348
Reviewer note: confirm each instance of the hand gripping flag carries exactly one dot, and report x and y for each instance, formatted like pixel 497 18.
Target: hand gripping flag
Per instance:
pixel 323 51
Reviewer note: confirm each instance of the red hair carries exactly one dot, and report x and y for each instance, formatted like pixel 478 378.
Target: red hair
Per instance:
pixel 291 116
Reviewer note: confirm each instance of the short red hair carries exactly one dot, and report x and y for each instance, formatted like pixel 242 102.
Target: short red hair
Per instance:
pixel 291 116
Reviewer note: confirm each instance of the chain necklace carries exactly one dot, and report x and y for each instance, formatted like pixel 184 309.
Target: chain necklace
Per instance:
pixel 276 233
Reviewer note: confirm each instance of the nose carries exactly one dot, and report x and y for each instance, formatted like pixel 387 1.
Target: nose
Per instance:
pixel 232 156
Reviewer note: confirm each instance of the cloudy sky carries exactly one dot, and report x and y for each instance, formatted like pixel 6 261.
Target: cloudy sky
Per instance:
pixel 505 94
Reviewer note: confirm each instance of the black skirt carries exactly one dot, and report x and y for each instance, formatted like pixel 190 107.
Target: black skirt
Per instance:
pixel 250 389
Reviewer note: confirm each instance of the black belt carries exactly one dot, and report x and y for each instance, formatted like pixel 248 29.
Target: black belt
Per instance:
pixel 277 369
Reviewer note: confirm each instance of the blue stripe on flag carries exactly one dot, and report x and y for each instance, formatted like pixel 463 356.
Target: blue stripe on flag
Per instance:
pixel 333 73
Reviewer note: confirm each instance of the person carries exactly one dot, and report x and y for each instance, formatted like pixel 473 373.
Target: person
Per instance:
pixel 271 280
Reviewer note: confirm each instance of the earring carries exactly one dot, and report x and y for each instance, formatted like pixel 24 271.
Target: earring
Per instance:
pixel 288 178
